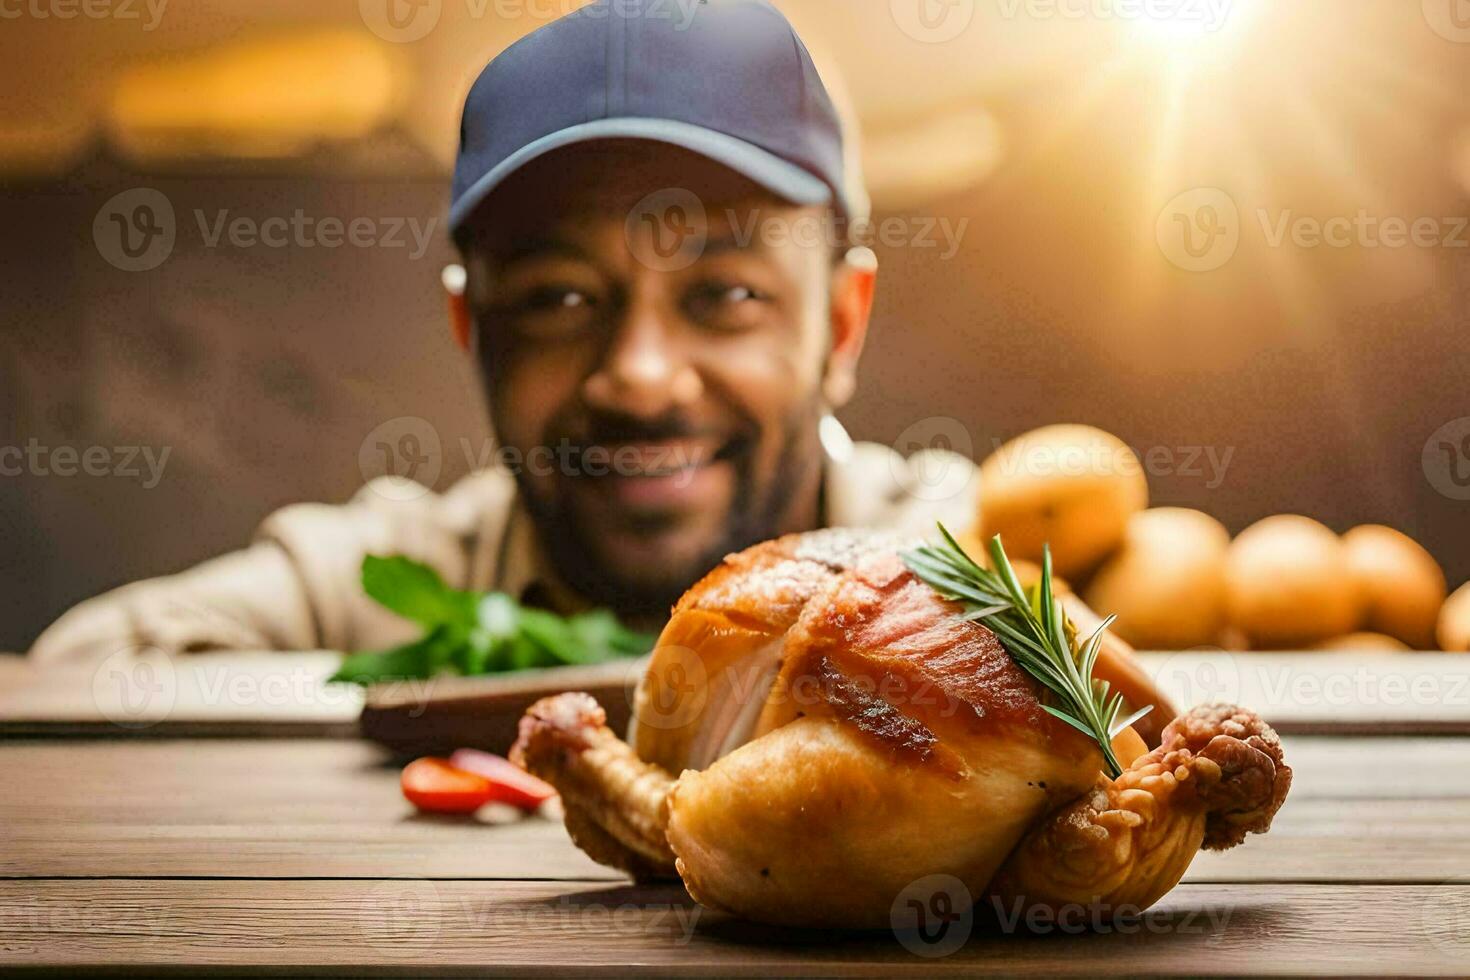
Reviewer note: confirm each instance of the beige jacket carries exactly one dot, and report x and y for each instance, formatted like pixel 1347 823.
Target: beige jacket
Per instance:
pixel 297 586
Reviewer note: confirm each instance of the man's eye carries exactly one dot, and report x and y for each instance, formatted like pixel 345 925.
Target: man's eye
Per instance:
pixel 555 298
pixel 549 311
pixel 741 294
pixel 726 305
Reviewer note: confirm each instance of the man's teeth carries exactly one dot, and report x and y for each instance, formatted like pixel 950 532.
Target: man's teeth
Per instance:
pixel 663 471
pixel 657 463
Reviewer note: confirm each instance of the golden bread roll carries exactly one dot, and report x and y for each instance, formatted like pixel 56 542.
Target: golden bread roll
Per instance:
pixel 1402 585
pixel 1166 582
pixel 1454 621
pixel 1073 486
pixel 1362 641
pixel 1288 584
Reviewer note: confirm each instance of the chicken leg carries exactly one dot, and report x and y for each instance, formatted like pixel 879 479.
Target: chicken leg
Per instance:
pixel 616 804
pixel 1218 776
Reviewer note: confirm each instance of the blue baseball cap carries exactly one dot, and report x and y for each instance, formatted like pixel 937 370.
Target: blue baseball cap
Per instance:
pixel 727 79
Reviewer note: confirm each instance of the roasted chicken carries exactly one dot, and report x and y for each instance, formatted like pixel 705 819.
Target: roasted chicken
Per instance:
pixel 818 729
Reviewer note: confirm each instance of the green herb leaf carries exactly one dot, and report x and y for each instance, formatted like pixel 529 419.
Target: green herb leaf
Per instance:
pixel 1035 632
pixel 415 591
pixel 473 633
pixel 412 661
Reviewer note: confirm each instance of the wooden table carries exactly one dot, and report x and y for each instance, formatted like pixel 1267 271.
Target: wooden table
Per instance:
pixel 184 850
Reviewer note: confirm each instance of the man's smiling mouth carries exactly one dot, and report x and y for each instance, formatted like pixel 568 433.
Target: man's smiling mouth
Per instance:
pixel 664 475
pixel 662 459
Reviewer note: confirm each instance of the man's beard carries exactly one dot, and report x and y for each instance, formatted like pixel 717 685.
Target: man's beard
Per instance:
pixel 754 517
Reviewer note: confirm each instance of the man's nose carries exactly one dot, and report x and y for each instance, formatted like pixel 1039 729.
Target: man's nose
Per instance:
pixel 644 370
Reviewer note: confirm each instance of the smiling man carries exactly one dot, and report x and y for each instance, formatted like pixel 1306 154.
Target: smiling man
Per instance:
pixel 666 312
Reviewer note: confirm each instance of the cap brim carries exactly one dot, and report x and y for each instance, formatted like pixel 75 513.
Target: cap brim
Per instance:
pixel 780 177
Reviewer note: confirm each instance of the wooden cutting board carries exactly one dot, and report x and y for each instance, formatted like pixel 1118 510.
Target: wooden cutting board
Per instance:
pixel 260 694
pixel 437 716
pixel 254 694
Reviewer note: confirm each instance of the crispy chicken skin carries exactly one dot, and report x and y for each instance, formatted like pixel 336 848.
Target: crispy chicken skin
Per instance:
pixel 722 645
pixel 844 733
pixel 721 673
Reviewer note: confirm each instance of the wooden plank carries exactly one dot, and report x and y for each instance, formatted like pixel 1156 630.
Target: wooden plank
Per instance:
pixel 232 808
pixel 428 928
pixel 277 693
pixel 256 694
pixel 484 712
pixel 537 849
pixel 532 849
pixel 1378 768
pixel 305 772
pixel 1326 693
pixel 1387 810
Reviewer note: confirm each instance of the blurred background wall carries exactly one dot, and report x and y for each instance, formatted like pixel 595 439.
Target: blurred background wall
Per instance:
pixel 1121 211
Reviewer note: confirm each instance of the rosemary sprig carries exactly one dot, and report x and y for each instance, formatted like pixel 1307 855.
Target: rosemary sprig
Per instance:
pixel 1034 631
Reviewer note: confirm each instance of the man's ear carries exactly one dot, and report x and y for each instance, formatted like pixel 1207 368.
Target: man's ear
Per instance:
pixel 460 321
pixel 853 283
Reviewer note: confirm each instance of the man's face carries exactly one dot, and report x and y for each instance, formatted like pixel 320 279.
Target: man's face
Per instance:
pixel 659 379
